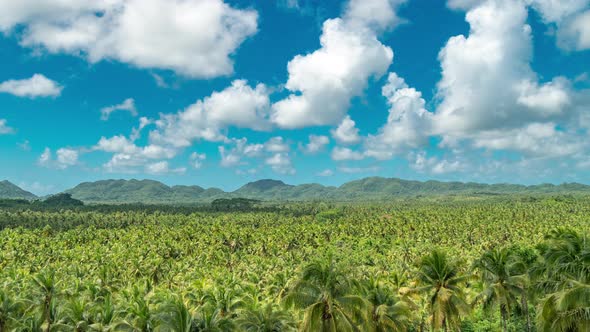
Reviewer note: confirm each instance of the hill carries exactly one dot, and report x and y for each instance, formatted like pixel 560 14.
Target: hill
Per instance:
pixel 11 191
pixel 367 189
pixel 140 191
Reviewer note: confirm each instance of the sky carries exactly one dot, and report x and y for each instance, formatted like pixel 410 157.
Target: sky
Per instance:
pixel 222 92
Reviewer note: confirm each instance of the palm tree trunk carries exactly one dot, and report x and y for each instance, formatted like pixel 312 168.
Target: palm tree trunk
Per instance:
pixel 525 308
pixel 504 318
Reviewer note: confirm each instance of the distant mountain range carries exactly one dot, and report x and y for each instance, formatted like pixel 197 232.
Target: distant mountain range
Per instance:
pixel 373 188
pixel 10 190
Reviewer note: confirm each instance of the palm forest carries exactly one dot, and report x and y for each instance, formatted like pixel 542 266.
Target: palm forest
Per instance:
pixel 416 264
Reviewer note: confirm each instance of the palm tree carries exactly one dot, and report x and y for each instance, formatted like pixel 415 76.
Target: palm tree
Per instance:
pixel 567 310
pixel 9 309
pixel 440 279
pixel 266 318
pixel 388 312
pixel 139 315
pixel 566 271
pixel 502 282
pixel 175 315
pixel 46 284
pixel 76 314
pixel 324 292
pixel 210 319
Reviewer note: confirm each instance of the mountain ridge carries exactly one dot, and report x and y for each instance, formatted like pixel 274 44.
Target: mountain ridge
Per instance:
pixel 12 191
pixel 370 188
pixel 119 191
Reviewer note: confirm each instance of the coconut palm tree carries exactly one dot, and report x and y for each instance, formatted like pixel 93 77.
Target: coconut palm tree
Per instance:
pixel 46 283
pixel 10 309
pixel 210 319
pixel 440 280
pixel 387 311
pixel 325 294
pixel 567 310
pixel 501 280
pixel 139 316
pixel 566 279
pixel 266 318
pixel 175 316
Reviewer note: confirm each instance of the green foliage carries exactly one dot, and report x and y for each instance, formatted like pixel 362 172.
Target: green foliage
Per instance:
pixel 62 200
pixel 364 190
pixel 410 265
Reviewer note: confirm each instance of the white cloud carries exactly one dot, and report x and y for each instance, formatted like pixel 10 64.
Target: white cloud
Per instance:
pixel 229 158
pixel 4 128
pixel 127 155
pixel 434 165
pixel 323 82
pixel 65 158
pixel 558 10
pixel 408 124
pixel 499 49
pixel 127 105
pixel 316 144
pixel 36 86
pixel 281 163
pixel 277 144
pixel 534 140
pixel 45 157
pixel 346 132
pixel 376 14
pixel 341 153
pixel 574 34
pixel 197 160
pixel 195 38
pixel 326 172
pixel 163 167
pixel 355 170
pixel 238 105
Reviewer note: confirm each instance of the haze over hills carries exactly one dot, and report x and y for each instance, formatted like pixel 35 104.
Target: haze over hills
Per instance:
pixel 372 188
pixel 12 191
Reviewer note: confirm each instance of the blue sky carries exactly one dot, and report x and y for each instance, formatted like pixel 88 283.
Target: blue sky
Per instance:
pixel 219 92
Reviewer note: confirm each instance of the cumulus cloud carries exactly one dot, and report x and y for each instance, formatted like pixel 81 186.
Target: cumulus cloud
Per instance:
pixel 511 99
pixel 36 86
pixel 408 124
pixel 277 144
pixel 163 167
pixel 195 38
pixel 341 153
pixel 434 165
pixel 346 132
pixel 127 156
pixel 4 128
pixel 280 163
pixel 128 105
pixel 239 105
pixel 322 83
pixel 574 34
pixel 571 18
pixel 64 158
pixel 316 144
pixel 197 159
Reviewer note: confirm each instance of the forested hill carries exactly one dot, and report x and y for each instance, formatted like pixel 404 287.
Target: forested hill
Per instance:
pixel 10 190
pixel 374 188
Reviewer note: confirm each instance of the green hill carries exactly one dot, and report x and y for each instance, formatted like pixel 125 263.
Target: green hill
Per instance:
pixel 139 191
pixel 11 191
pixel 367 189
